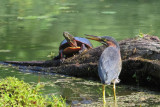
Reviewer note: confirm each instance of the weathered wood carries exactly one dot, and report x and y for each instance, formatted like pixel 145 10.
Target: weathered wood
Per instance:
pixel 141 62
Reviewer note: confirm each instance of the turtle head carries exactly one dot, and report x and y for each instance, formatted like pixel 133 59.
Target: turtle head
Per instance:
pixel 70 39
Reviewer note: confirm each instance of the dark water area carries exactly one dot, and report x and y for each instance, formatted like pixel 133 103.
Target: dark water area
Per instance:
pixel 31 30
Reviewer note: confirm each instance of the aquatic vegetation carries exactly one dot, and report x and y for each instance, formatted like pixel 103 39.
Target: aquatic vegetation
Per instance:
pixel 51 55
pixel 140 35
pixel 14 92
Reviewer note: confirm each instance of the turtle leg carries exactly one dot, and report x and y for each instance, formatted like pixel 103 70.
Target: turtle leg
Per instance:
pixel 83 48
pixel 61 56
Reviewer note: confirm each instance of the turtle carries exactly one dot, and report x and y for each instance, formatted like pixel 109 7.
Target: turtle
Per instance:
pixel 72 45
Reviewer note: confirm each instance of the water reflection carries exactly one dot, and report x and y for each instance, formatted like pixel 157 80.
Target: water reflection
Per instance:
pixel 30 30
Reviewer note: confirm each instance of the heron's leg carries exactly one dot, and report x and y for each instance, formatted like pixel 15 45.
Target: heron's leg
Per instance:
pixel 114 90
pixel 104 99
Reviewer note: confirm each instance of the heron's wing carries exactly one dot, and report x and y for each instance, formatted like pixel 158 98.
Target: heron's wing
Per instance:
pixel 109 65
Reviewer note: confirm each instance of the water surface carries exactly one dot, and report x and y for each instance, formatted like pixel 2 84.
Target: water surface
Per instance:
pixel 30 30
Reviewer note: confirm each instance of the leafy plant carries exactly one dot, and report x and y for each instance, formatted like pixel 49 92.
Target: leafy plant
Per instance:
pixel 140 35
pixel 51 55
pixel 14 92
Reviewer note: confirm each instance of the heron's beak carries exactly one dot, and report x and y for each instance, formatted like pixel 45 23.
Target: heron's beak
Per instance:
pixel 96 38
pixel 70 39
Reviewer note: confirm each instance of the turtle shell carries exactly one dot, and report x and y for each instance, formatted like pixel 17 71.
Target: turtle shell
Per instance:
pixel 64 44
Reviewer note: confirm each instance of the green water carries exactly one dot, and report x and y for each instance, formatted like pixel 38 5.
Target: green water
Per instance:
pixel 31 29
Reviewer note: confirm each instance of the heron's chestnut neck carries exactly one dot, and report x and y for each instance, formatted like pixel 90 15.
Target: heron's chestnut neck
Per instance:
pixel 111 44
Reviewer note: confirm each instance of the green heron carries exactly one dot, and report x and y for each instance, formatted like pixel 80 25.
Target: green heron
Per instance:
pixel 110 64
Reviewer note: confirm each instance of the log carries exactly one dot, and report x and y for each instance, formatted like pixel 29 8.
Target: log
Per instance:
pixel 140 56
pixel 141 61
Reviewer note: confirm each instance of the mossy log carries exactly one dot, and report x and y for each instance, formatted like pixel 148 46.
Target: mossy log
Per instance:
pixel 140 56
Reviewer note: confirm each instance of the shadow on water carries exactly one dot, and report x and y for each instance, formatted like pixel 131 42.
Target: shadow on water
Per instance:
pixel 83 92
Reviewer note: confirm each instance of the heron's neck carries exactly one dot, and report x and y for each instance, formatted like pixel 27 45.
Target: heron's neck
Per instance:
pixel 111 44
